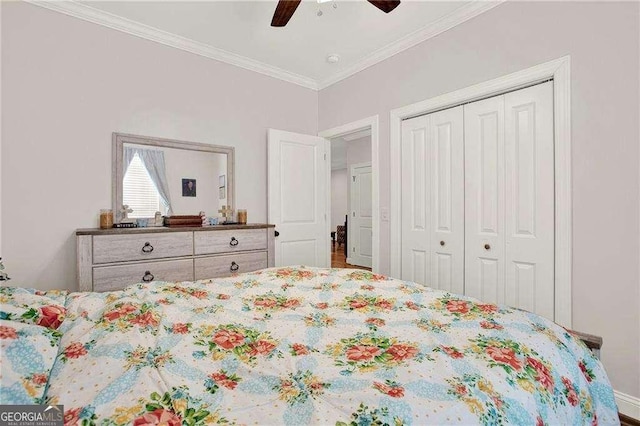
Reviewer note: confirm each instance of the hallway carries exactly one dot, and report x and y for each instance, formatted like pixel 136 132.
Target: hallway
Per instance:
pixel 339 260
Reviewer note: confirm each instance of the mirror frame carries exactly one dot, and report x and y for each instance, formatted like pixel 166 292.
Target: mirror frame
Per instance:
pixel 117 174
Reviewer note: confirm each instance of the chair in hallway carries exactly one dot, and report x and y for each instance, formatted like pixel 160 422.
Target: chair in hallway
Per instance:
pixel 341 235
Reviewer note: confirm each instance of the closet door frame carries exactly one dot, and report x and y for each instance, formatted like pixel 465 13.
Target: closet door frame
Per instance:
pixel 559 71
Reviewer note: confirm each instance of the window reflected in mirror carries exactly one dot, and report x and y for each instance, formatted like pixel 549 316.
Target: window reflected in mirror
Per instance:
pixel 140 193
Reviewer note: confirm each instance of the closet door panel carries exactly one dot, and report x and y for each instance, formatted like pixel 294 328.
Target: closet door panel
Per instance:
pixel 484 199
pixel 529 151
pixel 447 200
pixel 489 270
pixel 416 200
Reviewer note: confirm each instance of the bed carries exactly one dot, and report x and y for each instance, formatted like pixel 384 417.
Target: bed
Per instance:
pixel 294 346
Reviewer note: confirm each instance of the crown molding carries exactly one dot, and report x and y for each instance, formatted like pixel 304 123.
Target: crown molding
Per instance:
pixel 109 20
pixel 457 17
pixel 96 16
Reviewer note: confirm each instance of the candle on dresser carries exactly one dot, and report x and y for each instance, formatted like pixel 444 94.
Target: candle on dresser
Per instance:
pixel 242 216
pixel 106 218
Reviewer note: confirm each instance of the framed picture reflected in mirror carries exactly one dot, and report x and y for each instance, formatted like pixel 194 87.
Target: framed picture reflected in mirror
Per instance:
pixel 188 187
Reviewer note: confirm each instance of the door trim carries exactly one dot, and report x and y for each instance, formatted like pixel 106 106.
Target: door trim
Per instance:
pixel 365 123
pixel 559 71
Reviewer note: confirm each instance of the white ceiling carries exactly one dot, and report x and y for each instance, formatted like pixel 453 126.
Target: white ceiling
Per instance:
pixel 239 31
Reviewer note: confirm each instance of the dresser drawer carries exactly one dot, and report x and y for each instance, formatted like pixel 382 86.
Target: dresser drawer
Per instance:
pixel 120 248
pixel 230 241
pixel 222 266
pixel 107 278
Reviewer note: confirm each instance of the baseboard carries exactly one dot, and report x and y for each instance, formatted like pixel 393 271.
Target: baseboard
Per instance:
pixel 628 405
pixel 349 261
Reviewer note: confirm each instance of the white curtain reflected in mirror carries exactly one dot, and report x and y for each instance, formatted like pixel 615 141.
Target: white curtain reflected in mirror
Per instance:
pixel 145 191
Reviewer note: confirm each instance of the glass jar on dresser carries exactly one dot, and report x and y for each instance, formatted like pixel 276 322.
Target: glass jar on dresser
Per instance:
pixel 111 259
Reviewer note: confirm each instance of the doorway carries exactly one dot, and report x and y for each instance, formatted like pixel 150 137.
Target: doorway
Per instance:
pixel 356 244
pixel 351 201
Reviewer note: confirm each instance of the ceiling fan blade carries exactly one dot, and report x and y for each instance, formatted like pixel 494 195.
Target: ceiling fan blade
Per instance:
pixel 385 5
pixel 284 12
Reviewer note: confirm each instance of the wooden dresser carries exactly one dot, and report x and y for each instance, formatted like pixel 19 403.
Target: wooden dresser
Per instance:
pixel 111 259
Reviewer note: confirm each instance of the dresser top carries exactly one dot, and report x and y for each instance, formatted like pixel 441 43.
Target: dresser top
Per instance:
pixel 151 229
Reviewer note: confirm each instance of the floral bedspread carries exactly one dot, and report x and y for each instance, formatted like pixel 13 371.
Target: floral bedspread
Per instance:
pixel 29 342
pixel 300 346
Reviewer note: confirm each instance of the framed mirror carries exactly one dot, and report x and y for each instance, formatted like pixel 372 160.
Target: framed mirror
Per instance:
pixel 170 176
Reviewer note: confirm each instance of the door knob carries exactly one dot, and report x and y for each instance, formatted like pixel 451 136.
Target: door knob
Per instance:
pixel 277 233
pixel 442 243
pixel 487 247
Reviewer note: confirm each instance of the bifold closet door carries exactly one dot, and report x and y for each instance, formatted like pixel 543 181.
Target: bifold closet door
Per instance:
pixel 433 200
pixel 484 199
pixel 509 199
pixel 530 200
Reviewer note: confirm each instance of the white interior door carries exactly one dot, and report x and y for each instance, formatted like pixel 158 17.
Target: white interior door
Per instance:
pixel 447 200
pixel 416 198
pixel 478 200
pixel 433 200
pixel 297 198
pixel 530 202
pixel 509 199
pixel 484 199
pixel 360 219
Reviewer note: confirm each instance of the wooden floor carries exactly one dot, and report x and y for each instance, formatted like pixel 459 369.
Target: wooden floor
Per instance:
pixel 628 421
pixel 339 260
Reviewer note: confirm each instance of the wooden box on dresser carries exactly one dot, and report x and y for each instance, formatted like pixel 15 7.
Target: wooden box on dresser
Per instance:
pixel 111 259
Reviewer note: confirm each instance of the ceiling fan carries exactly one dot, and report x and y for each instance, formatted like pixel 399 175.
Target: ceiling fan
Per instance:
pixel 286 8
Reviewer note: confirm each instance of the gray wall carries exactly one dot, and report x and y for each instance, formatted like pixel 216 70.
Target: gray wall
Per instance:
pixel 603 42
pixel 358 151
pixel 67 84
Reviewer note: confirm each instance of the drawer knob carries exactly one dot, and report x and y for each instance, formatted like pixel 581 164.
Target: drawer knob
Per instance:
pixel 233 242
pixel 442 243
pixel 487 247
pixel 234 267
pixel 147 248
pixel 148 277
